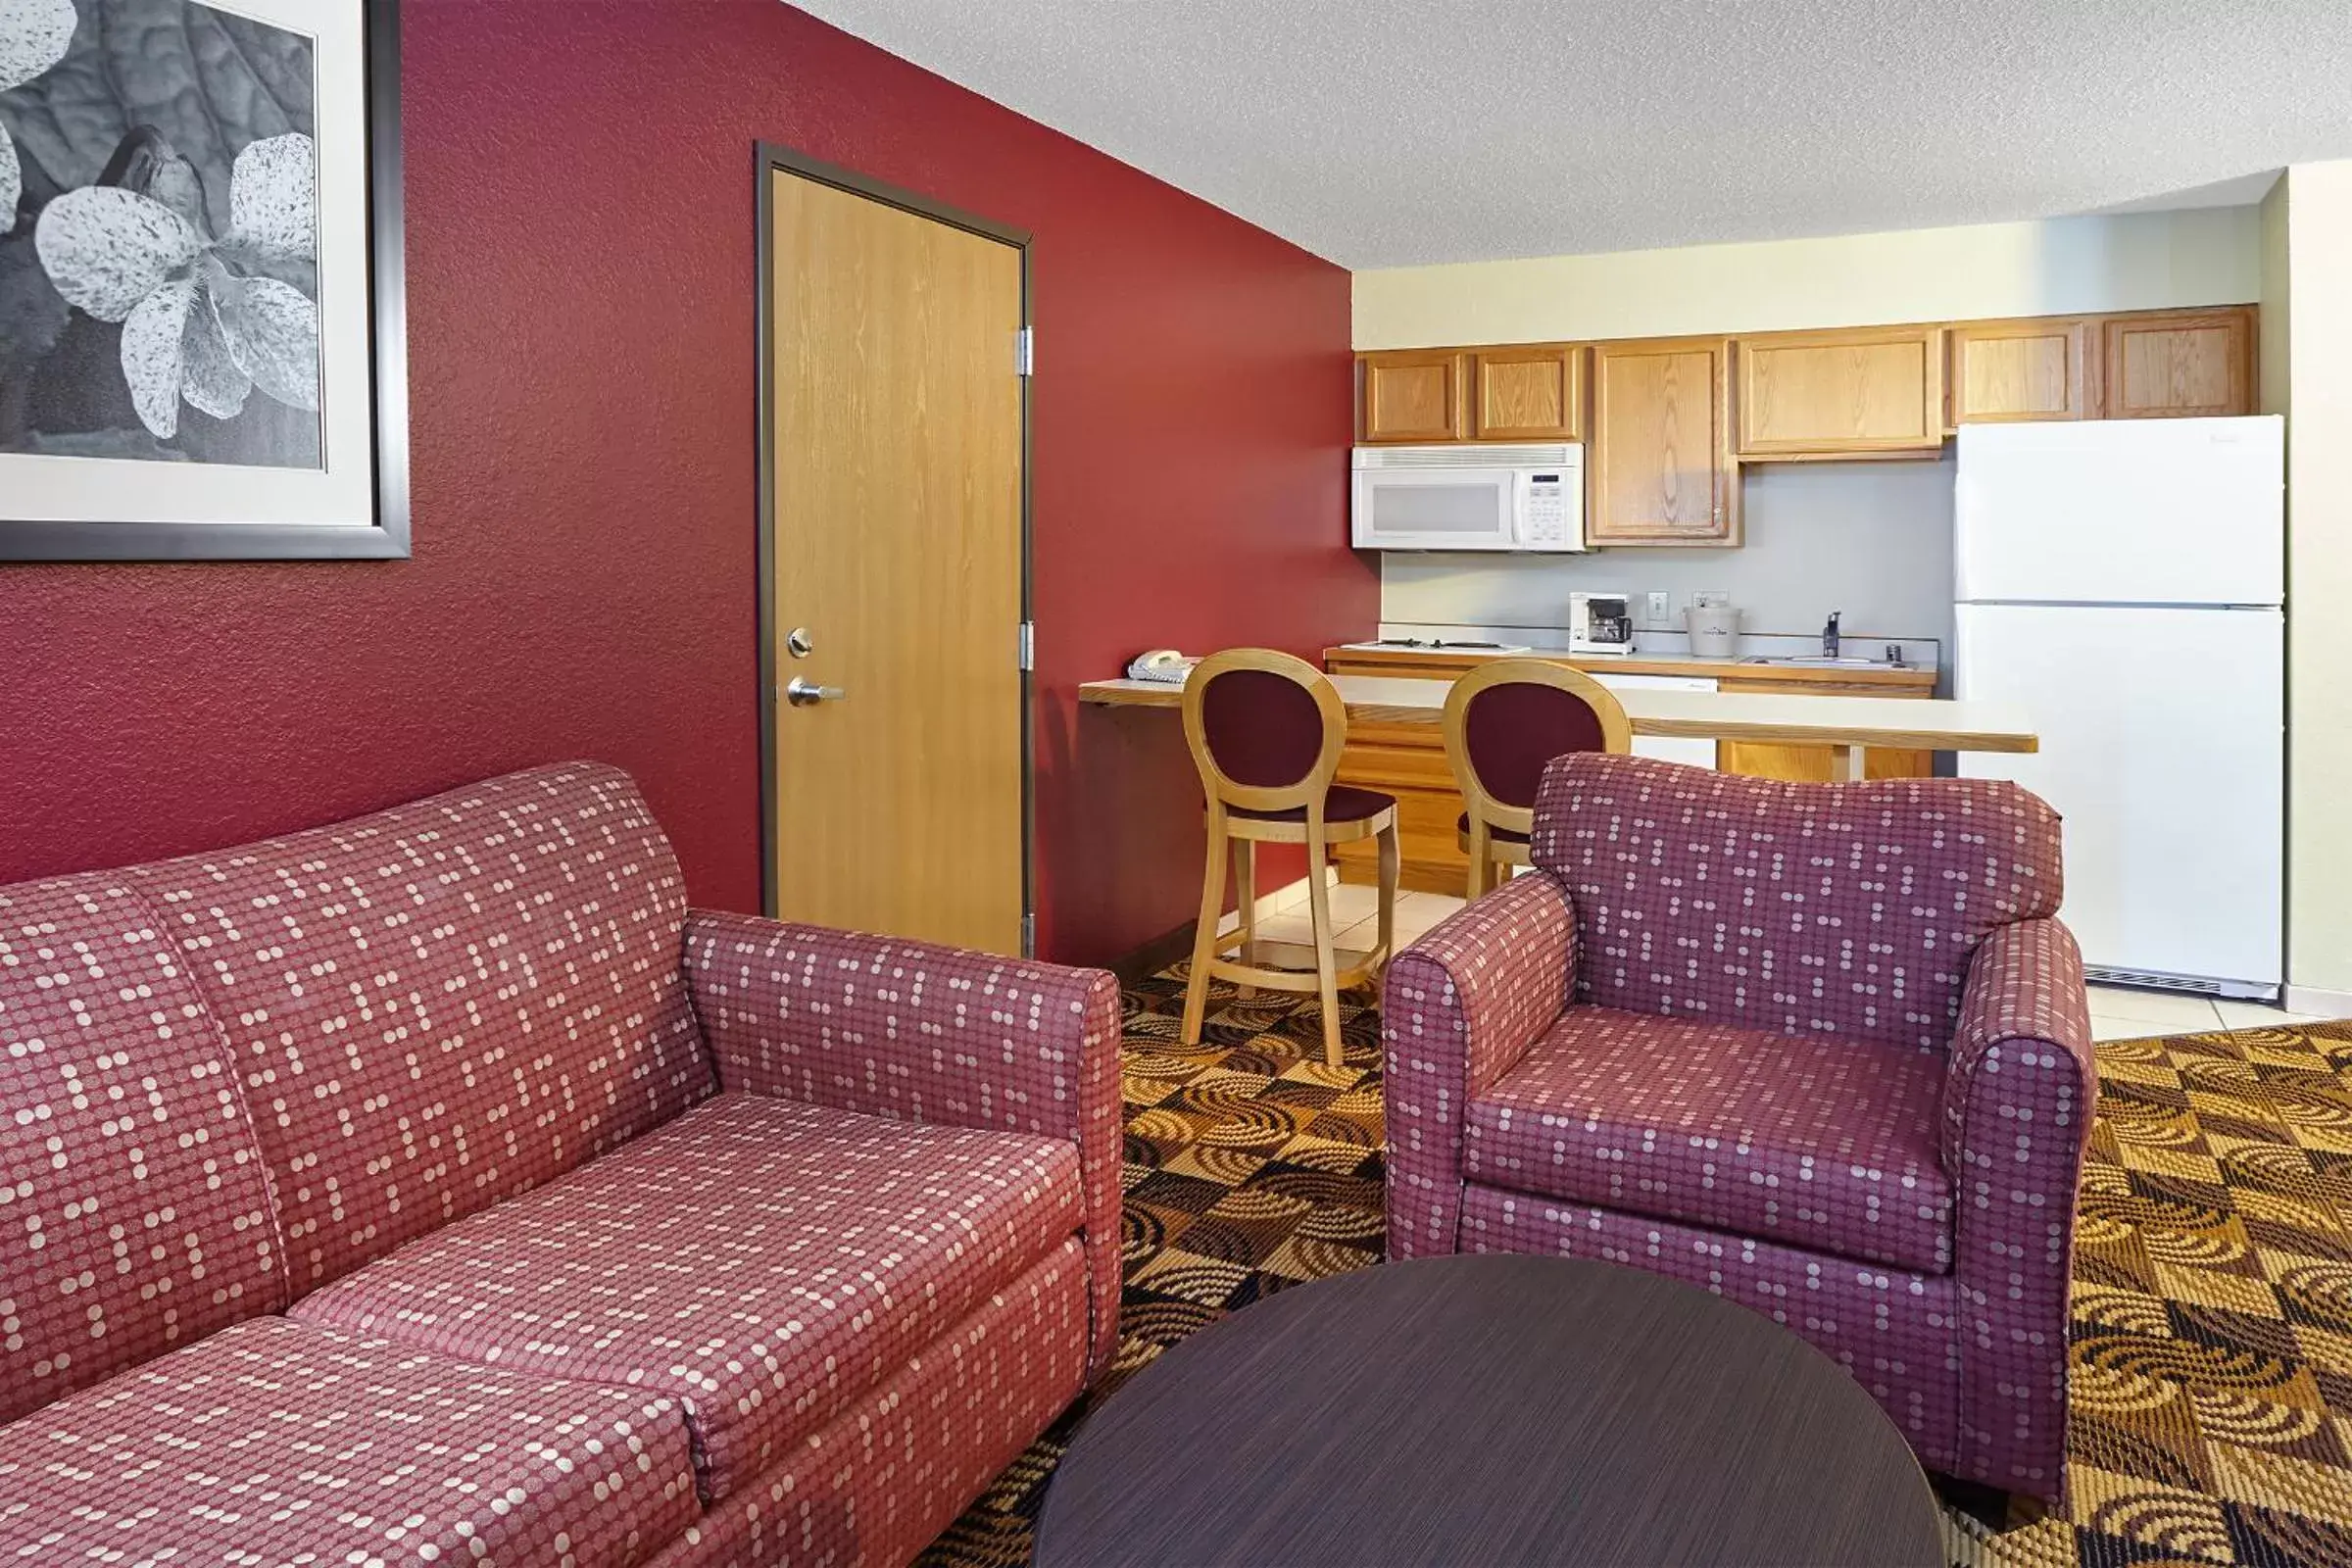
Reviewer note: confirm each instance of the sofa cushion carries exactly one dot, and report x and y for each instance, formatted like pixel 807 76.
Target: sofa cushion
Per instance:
pixel 443 1004
pixel 277 1442
pixel 762 1261
pixel 1823 1143
pixel 1843 910
pixel 134 1205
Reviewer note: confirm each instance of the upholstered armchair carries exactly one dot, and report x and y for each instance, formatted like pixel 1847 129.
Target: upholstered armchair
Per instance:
pixel 1821 1049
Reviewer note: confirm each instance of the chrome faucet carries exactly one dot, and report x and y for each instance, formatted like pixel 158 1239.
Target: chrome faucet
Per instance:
pixel 1828 635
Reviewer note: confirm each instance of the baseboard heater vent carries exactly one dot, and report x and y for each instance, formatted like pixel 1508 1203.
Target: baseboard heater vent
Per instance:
pixel 2185 985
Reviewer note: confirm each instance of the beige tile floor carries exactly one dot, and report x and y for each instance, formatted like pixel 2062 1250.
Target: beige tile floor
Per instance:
pixel 2116 1013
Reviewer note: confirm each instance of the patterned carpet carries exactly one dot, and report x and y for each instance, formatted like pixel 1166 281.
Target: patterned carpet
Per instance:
pixel 2212 1350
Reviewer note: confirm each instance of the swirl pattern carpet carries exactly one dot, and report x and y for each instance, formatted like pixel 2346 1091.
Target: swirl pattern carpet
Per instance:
pixel 2212 1340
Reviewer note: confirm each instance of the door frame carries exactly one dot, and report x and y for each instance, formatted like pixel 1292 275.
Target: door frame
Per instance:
pixel 769 160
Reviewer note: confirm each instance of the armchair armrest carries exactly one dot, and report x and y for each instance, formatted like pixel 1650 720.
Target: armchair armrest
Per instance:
pixel 2018 1091
pixel 923 1033
pixel 1458 1009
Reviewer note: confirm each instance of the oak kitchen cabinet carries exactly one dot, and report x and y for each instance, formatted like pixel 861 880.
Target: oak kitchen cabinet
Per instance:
pixel 2177 365
pixel 1534 392
pixel 1660 469
pixel 1866 392
pixel 1413 395
pixel 2010 370
pixel 1409 760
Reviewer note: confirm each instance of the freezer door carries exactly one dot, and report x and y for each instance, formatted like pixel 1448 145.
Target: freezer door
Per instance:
pixel 2122 512
pixel 2162 747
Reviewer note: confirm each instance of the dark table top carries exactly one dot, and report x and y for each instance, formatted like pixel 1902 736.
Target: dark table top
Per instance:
pixel 1490 1410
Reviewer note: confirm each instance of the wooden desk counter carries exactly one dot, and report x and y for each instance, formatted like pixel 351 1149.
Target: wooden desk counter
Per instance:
pixel 1849 724
pixel 1396 744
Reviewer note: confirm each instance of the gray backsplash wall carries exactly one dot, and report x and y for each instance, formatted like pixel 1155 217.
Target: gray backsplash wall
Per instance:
pixel 1871 539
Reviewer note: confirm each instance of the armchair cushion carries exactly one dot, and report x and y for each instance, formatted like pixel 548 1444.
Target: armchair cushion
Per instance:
pixel 1823 1144
pixel 1847 910
pixel 763 1262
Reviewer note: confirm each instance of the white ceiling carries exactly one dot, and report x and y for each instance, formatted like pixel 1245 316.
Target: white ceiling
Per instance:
pixel 1387 132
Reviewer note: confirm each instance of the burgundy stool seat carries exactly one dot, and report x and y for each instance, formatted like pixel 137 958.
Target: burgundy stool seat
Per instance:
pixel 1342 803
pixel 1500 835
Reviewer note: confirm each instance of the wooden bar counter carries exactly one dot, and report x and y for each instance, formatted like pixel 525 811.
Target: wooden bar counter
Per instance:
pixel 1774 721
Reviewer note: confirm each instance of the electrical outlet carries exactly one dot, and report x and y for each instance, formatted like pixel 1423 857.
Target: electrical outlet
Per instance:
pixel 1661 606
pixel 1711 599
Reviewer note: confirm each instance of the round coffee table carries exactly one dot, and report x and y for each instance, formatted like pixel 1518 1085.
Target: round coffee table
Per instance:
pixel 1490 1410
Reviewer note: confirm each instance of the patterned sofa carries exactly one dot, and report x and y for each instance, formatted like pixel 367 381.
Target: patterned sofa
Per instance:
pixel 437 1187
pixel 1820 1049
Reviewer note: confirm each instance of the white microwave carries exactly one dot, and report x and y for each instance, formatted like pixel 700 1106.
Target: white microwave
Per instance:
pixel 1469 498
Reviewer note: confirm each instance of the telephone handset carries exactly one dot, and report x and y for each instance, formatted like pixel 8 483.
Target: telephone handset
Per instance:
pixel 1163 664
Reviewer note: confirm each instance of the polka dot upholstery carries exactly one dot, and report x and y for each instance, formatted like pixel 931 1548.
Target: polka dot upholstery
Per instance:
pixel 1891 1329
pixel 888 1474
pixel 1845 910
pixel 134 1209
pixel 1793 1138
pixel 443 1004
pixel 918 1032
pixel 762 1261
pixel 2019 1107
pixel 277 1442
pixel 440 1073
pixel 1821 1049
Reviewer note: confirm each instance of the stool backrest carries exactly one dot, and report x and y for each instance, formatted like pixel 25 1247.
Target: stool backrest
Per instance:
pixel 1265 729
pixel 1508 718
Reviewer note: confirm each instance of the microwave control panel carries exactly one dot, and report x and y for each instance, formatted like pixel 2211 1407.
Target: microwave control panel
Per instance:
pixel 1546 507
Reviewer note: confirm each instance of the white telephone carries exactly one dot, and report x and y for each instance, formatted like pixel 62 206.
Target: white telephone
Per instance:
pixel 1163 664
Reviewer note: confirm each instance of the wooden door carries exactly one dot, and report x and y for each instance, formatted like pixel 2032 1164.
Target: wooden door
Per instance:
pixel 1661 468
pixel 1842 394
pixel 2178 366
pixel 1411 395
pixel 896 552
pixel 1534 393
pixel 2012 370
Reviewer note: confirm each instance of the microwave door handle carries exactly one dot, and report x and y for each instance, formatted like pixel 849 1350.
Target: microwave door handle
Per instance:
pixel 1522 498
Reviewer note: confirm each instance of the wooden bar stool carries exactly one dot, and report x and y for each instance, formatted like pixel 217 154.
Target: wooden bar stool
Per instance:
pixel 1266 731
pixel 1504 721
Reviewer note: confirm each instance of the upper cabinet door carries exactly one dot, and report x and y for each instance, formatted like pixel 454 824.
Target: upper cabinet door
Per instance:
pixel 1412 395
pixel 2009 371
pixel 1534 393
pixel 1661 467
pixel 2179 364
pixel 1842 394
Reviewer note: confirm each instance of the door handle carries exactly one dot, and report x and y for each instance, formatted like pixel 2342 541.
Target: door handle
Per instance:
pixel 803 693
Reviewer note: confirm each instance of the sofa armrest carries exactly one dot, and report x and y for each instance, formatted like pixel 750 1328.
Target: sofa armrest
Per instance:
pixel 922 1033
pixel 1458 1009
pixel 2018 1091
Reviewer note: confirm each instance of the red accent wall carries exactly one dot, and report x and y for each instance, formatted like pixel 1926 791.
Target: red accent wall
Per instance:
pixel 581 281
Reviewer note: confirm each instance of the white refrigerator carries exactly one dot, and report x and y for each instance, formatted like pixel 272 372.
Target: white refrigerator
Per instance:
pixel 2122 581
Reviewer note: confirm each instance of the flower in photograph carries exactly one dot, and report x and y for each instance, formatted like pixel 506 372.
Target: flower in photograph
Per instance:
pixel 198 323
pixel 35 34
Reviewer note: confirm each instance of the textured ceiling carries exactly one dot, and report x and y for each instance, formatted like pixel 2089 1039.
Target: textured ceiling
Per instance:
pixel 1385 133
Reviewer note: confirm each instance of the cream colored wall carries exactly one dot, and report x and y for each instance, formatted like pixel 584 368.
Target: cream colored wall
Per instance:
pixel 2120 262
pixel 2271 352
pixel 2317 219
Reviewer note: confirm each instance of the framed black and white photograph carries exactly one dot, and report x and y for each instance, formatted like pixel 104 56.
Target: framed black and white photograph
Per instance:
pixel 202 326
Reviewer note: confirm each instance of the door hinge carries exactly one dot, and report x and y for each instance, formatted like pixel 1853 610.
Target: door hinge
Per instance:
pixel 1029 645
pixel 1029 935
pixel 1024 352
